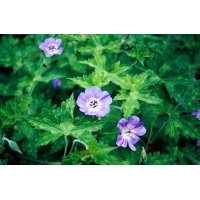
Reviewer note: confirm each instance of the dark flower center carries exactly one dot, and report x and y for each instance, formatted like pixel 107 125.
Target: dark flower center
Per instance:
pixel 93 104
pixel 52 48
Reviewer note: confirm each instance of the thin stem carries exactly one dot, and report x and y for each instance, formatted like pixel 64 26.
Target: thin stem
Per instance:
pixel 61 54
pixel 40 161
pixel 77 141
pixel 79 121
pixel 66 145
pixel 188 90
pixel 36 43
pixel 172 113
pixel 168 39
pixel 151 129
pixel 117 107
pixel 6 139
pixel 159 131
pixel 142 141
pixel 134 63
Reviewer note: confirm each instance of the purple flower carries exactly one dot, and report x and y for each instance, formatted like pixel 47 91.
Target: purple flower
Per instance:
pixel 56 83
pixel 129 131
pixel 94 102
pixel 197 114
pixel 198 143
pixel 51 46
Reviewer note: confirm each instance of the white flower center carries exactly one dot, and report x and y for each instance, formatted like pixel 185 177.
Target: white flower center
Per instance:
pixel 94 104
pixel 128 131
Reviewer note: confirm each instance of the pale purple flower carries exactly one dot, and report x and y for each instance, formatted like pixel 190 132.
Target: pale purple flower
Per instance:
pixel 94 102
pixel 198 143
pixel 197 114
pixel 56 83
pixel 129 131
pixel 51 46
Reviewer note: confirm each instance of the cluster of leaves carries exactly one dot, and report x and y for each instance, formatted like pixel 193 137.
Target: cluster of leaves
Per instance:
pixel 146 75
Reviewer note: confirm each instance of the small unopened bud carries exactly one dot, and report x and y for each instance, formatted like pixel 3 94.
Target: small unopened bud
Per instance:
pixel 84 37
pixel 124 38
pixel 13 145
pixel 143 154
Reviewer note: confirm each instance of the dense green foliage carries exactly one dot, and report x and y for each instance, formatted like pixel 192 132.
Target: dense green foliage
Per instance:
pixel 146 75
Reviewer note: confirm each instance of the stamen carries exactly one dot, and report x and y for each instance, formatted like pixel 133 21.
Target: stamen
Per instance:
pixel 93 104
pixel 52 48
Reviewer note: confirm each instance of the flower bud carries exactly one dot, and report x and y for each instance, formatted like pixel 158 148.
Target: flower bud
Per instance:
pixel 13 145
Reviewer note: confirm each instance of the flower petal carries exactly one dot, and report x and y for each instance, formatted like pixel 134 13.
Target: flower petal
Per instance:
pixel 105 98
pixel 48 54
pixel 133 120
pixel 59 51
pixel 122 123
pixel 140 131
pixel 104 111
pixel 58 42
pixel 84 109
pixel 49 41
pixel 134 139
pixel 42 46
pixel 81 101
pixel 93 92
pixel 132 147
pixel 124 143
pixel 56 83
pixel 119 140
pixel 194 113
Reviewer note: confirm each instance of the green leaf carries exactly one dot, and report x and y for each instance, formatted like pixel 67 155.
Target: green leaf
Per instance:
pixel 6 110
pixel 138 91
pixel 98 62
pixel 123 156
pixel 98 78
pixel 131 100
pixel 57 145
pixel 159 159
pixel 15 110
pixel 47 137
pixel 181 125
pixel 171 85
pixel 98 151
pixel 24 128
pixel 185 155
pixel 67 109
pixel 141 51
pixel 92 126
pixel 98 43
pixel 41 122
pixel 32 143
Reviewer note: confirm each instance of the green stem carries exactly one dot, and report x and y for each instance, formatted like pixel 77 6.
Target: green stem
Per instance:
pixel 159 131
pixel 79 121
pixel 151 130
pixel 172 113
pixel 40 161
pixel 36 44
pixel 142 141
pixel 66 145
pixel 134 63
pixel 117 107
pixel 77 141
pixel 166 45
pixel 61 54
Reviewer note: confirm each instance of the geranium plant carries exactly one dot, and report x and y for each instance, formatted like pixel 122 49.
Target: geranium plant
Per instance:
pixel 108 99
